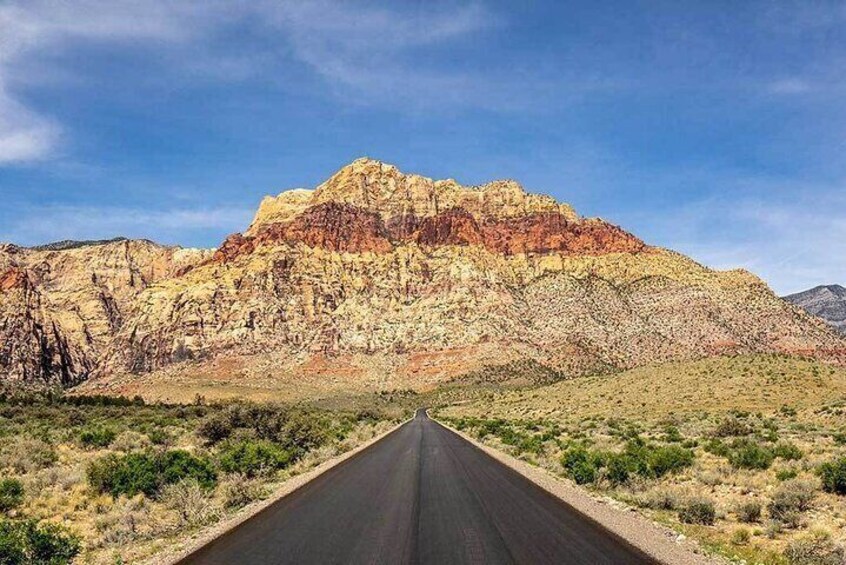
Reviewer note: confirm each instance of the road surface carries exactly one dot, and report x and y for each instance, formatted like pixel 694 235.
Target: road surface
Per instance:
pixel 421 495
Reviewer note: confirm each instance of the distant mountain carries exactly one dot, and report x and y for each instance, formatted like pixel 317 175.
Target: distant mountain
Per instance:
pixel 376 273
pixel 827 302
pixel 66 244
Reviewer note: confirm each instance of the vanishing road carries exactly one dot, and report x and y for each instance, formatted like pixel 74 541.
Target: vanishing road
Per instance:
pixel 421 495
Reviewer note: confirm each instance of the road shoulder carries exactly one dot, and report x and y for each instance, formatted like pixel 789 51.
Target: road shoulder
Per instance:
pixel 659 542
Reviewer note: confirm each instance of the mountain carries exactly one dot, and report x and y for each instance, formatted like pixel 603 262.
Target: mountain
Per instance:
pixel 376 272
pixel 827 302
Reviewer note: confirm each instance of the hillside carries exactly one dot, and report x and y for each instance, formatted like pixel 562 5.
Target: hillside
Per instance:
pixel 827 302
pixel 379 278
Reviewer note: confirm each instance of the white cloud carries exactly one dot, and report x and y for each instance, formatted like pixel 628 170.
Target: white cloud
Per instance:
pixel 52 223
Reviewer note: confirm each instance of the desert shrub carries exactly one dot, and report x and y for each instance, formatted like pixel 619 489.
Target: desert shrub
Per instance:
pixel 740 536
pixel 24 542
pixel 786 474
pixel 787 451
pixel 97 437
pixel 672 435
pixel 790 499
pixel 130 440
pixel 833 476
pixel 731 427
pixel 238 490
pixel 190 500
pixel 698 511
pixel 124 523
pixel 253 457
pixel 816 549
pixel 28 455
pixel 148 472
pixel 749 512
pixel 11 494
pixel 669 459
pixel 304 431
pixel 660 499
pixel 216 427
pixel 158 436
pixel 717 447
pixel 580 465
pixel 747 454
pixel 617 468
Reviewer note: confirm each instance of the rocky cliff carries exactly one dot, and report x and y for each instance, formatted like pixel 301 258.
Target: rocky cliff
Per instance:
pixel 62 304
pixel 383 264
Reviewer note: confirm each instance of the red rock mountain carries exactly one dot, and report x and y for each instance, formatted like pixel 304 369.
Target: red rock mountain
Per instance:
pixel 410 273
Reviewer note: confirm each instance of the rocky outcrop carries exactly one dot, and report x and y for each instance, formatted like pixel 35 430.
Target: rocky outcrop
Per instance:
pixel 377 264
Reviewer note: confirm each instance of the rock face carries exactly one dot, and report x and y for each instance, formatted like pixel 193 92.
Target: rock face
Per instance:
pixel 379 263
pixel 827 302
pixel 61 304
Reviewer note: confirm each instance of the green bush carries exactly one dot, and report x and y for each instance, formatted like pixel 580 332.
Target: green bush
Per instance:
pixel 97 437
pixel 787 451
pixel 11 494
pixel 833 475
pixel 698 511
pixel 253 457
pixel 148 472
pixel 786 474
pixel 580 465
pixel 618 468
pixel 669 459
pixel 716 447
pixel 25 542
pixel 672 435
pixel 746 454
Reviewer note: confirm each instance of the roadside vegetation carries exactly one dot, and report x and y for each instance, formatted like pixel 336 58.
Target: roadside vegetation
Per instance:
pixel 114 480
pixel 755 485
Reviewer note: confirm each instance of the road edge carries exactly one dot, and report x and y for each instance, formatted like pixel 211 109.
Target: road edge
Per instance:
pixel 208 535
pixel 659 542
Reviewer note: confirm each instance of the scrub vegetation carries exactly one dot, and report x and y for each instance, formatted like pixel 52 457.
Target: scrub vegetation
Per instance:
pixel 114 480
pixel 759 477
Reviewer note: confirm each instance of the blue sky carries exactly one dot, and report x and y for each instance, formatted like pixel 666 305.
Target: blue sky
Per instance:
pixel 714 128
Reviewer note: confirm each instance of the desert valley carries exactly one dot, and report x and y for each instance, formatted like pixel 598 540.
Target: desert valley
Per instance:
pixel 151 392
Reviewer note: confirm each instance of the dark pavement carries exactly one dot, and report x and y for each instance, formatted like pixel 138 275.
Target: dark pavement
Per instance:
pixel 421 495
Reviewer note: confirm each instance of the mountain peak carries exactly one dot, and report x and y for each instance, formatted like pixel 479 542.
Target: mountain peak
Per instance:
pixel 382 188
pixel 826 301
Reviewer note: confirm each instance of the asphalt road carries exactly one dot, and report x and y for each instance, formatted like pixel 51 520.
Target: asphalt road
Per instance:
pixel 421 495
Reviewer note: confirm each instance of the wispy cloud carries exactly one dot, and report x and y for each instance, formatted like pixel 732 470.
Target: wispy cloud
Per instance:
pixel 793 241
pixel 52 223
pixel 28 29
pixel 360 51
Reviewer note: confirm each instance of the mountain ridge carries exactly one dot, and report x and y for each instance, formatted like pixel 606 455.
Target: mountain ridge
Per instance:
pixel 376 271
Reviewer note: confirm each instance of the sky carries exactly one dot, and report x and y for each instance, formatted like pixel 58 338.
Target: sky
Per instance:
pixel 713 128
